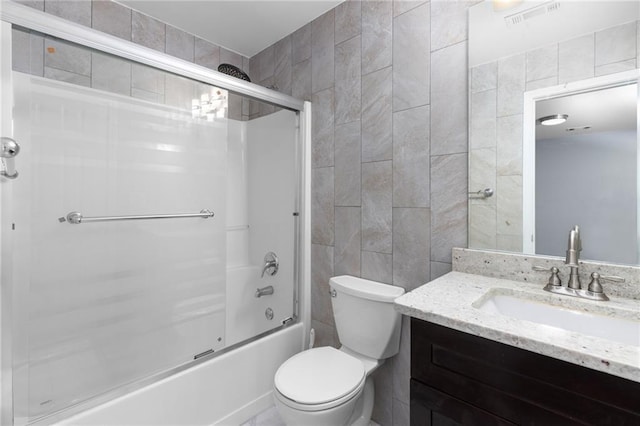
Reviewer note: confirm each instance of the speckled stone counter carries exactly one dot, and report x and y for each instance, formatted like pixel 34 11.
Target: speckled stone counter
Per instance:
pixel 449 301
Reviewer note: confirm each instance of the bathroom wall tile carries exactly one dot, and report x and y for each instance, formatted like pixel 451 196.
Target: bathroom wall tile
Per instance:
pixel 27 52
pixel 347 164
pixel 377 43
pixel 509 145
pixel 348 85
pixel 322 52
pixel 402 364
pixel 376 206
pixel 266 63
pixel 482 226
pixel 301 80
pixel 235 106
pixel 448 23
pixel 439 269
pixel 301 44
pixel 483 119
pixel 383 403
pixel 400 413
pixel 616 44
pixel 538 84
pixel 411 59
pixel 147 31
pixel 576 59
pixel 66 76
pixel 482 173
pixel 35 4
pixel 509 201
pixel 402 6
pixel 67 57
pixel 377 116
pixel 542 63
pixel 75 11
pixel 233 58
pixel 509 242
pixel 111 18
pixel 377 267
pixel 180 44
pixel 111 74
pixel 448 205
pixel 321 273
pixel 206 54
pixel 322 207
pixel 348 20
pixel 411 161
pixel 615 67
pixel 511 85
pixel 347 241
pixel 484 77
pixel 326 335
pixel 283 71
pixel 449 104
pixel 322 128
pixel 411 251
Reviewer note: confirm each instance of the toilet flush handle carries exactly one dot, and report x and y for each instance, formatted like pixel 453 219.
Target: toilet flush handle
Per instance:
pixel 333 293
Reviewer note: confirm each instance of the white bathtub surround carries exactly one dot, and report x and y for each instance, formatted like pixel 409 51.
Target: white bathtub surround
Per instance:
pixel 449 301
pixel 226 390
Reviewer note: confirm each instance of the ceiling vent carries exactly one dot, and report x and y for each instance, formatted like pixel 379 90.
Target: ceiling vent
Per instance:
pixel 533 12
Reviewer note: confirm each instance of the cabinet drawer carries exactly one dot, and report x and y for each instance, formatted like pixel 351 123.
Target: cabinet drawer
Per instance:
pixel 518 385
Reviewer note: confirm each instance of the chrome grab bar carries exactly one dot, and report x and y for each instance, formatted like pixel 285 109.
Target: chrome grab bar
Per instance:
pixel 76 218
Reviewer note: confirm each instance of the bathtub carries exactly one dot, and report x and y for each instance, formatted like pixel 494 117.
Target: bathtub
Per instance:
pixel 226 390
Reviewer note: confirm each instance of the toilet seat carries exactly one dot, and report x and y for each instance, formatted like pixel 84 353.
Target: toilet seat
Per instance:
pixel 319 379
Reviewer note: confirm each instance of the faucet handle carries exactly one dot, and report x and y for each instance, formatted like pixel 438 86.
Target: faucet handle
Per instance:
pixel 596 287
pixel 554 279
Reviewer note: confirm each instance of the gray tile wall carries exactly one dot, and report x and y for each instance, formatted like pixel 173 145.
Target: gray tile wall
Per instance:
pixel 388 82
pixel 46 57
pixel 496 120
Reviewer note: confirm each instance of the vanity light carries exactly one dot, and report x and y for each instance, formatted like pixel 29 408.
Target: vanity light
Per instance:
pixel 552 120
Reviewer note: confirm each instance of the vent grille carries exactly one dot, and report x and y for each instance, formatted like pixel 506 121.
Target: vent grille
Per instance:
pixel 521 17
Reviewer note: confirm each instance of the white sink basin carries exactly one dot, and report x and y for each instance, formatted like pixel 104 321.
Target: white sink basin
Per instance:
pixel 621 326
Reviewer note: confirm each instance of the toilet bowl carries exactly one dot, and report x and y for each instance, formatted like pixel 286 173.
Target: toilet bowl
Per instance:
pixel 325 386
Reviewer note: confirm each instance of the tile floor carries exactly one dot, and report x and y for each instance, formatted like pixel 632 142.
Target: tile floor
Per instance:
pixel 270 417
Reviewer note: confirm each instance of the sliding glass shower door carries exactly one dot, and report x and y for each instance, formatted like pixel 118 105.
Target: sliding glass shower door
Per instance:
pixel 104 303
pixel 134 238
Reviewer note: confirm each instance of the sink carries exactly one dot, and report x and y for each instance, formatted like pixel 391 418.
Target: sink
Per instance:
pixel 619 325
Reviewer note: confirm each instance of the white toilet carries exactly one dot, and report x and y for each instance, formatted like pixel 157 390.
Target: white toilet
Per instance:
pixel 329 387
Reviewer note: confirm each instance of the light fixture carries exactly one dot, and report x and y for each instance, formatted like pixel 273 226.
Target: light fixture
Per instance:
pixel 552 120
pixel 500 5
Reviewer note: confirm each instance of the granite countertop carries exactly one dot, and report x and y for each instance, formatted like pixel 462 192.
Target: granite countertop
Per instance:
pixel 449 300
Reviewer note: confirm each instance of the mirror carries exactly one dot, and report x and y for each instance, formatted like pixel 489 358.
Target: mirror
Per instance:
pixel 528 60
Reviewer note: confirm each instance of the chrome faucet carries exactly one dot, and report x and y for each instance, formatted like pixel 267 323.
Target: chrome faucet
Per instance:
pixel 271 264
pixel 573 257
pixel 594 290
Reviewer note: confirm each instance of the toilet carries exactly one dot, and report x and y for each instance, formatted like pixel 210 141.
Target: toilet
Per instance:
pixel 325 386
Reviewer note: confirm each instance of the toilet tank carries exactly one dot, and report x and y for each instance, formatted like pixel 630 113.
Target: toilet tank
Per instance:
pixel 365 318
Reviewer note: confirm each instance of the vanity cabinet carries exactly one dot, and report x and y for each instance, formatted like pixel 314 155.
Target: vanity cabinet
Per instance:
pixel 461 379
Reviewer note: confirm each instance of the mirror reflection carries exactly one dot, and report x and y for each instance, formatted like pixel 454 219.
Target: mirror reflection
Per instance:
pixel 586 173
pixel 530 61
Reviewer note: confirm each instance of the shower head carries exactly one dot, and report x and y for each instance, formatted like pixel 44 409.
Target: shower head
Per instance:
pixel 233 71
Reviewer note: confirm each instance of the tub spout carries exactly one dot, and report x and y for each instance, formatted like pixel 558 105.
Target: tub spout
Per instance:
pixel 264 291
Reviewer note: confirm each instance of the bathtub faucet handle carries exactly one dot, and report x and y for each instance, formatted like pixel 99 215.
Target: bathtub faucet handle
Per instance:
pixel 271 264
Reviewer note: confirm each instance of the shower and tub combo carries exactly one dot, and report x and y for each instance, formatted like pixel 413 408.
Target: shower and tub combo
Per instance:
pixel 148 266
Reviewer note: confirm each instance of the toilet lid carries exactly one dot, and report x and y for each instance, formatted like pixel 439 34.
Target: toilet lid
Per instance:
pixel 319 375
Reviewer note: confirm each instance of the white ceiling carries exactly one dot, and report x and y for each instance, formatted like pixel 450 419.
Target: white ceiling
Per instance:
pixel 243 26
pixel 603 110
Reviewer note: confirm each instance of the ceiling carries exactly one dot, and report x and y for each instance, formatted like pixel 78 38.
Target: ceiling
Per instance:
pixel 602 110
pixel 243 26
